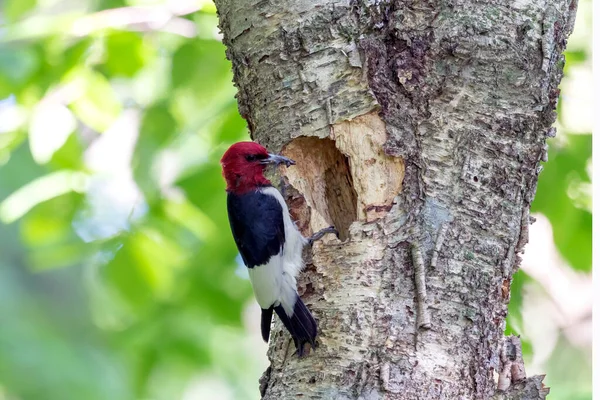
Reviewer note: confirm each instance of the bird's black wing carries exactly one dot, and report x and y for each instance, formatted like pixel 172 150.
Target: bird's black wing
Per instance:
pixel 256 221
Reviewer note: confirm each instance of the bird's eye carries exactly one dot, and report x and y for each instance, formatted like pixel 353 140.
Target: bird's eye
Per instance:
pixel 251 157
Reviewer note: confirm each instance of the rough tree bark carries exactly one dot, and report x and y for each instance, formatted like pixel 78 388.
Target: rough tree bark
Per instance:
pixel 418 128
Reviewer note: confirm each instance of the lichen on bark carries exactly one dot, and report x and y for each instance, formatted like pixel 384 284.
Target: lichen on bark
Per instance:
pixel 414 123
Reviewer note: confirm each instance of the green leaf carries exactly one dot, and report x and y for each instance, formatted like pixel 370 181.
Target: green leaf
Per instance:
pixel 20 160
pixel 158 125
pixel 126 54
pixel 572 226
pixel 15 9
pixel 234 127
pixel 39 190
pixel 207 179
pixel 70 155
pixel 107 4
pixel 157 128
pixel 97 104
pixel 17 66
pixel 181 211
pixel 575 57
pixel 217 289
pixel 75 53
pixel 143 269
pixel 123 274
pixel 51 125
pixel 514 320
pixel 44 228
pixel 9 141
pixel 49 236
pixel 200 64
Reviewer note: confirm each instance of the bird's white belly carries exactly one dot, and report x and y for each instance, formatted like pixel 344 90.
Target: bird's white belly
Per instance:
pixel 267 281
pixel 275 282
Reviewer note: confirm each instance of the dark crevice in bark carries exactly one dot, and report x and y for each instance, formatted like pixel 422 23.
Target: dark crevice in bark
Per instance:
pixel 264 381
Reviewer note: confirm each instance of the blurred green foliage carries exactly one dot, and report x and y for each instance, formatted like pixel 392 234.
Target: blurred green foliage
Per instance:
pixel 117 272
pixel 107 292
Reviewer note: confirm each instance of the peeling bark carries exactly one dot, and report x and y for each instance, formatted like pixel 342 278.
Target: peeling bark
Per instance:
pixel 418 128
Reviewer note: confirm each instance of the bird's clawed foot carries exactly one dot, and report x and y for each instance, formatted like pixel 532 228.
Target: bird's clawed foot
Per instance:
pixel 282 186
pixel 301 349
pixel 321 233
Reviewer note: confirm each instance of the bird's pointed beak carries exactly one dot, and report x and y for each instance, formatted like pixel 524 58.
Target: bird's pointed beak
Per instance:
pixel 278 160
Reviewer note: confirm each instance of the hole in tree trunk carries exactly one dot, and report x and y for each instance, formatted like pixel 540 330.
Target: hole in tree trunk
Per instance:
pixel 322 175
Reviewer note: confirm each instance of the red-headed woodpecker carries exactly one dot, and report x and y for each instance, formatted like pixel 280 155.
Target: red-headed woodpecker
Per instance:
pixel 268 240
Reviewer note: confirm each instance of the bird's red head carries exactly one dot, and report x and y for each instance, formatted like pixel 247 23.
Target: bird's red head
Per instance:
pixel 244 164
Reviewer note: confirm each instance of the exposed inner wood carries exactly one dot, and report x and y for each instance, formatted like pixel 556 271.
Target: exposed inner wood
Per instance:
pixel 347 179
pixel 322 173
pixel 377 176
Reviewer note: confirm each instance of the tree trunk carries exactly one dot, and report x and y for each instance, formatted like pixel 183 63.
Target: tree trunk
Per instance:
pixel 418 128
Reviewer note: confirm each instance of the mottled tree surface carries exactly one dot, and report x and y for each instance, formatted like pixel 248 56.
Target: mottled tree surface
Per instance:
pixel 418 128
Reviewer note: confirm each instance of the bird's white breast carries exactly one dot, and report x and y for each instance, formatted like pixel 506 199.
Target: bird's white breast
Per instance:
pixel 275 281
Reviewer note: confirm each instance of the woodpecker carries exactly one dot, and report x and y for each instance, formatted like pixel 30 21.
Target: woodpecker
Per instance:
pixel 268 240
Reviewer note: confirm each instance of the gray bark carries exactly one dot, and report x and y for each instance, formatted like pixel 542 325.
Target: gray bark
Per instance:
pixel 418 128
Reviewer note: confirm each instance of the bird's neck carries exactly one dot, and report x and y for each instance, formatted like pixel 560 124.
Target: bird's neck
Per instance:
pixel 240 183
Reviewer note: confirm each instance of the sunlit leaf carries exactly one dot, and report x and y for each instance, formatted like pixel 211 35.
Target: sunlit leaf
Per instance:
pixel 159 256
pixel 125 54
pixel 143 269
pixel 234 127
pixel 75 53
pixel 200 63
pixel 572 226
pixel 184 213
pixel 8 142
pixel 12 118
pixel 57 256
pixel 127 278
pixel 207 179
pixel 70 155
pixel 158 125
pixel 44 229
pixel 20 160
pixel 575 57
pixel 49 236
pixel 107 4
pixel 41 189
pixel 15 9
pixel 17 66
pixel 514 320
pixel 51 125
pixel 96 104
pixel 157 128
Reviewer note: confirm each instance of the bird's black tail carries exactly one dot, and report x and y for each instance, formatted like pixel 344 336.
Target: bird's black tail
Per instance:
pixel 301 325
pixel 265 322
